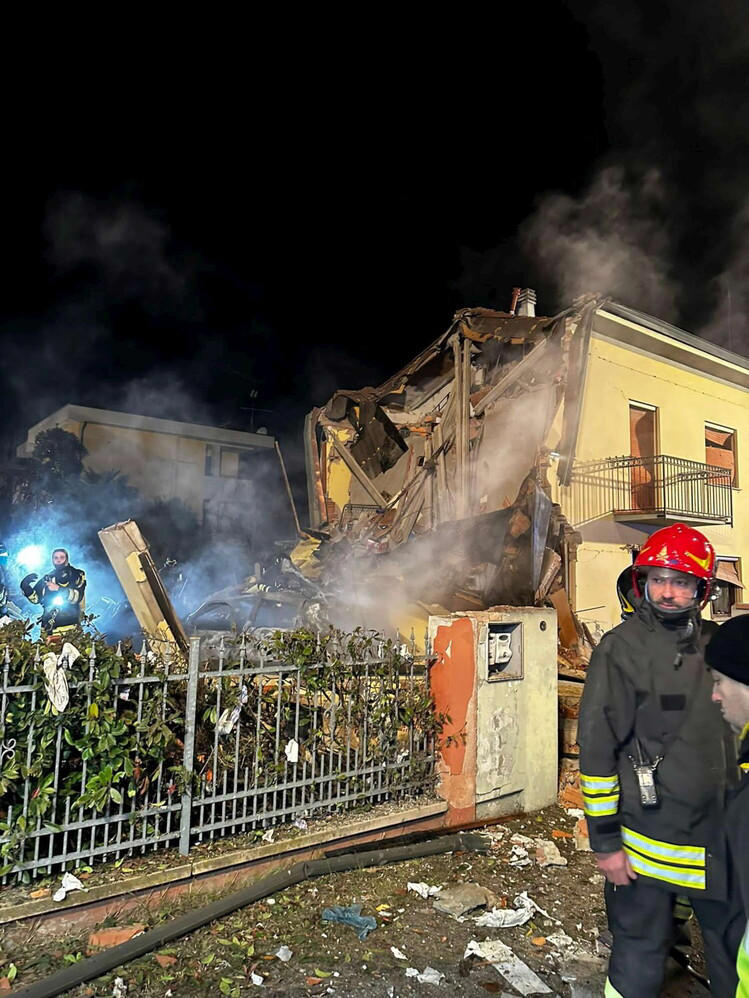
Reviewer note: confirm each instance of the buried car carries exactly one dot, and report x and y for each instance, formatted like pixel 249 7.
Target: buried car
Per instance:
pixel 259 613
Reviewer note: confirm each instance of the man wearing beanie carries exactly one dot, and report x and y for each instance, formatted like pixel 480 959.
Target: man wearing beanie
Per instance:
pixel 655 767
pixel 728 658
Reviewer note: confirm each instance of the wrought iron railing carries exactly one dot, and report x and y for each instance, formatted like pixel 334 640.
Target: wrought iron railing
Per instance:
pixel 661 486
pixel 260 743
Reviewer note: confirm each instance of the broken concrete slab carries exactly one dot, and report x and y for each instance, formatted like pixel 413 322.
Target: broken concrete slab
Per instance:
pixel 459 900
pixel 548 854
pixel 517 974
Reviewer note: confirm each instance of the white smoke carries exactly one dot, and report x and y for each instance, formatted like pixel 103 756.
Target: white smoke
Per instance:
pixel 610 240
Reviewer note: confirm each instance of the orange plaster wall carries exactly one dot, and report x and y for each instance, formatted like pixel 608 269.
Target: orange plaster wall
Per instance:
pixel 453 681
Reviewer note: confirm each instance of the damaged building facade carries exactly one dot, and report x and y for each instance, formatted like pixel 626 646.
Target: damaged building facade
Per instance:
pixel 521 460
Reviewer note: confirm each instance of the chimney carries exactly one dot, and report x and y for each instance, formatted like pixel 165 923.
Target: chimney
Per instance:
pixel 527 302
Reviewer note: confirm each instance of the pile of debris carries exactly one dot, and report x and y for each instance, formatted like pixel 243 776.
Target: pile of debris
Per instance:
pixel 436 482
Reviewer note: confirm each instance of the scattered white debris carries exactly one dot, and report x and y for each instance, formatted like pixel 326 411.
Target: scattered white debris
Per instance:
pixel 397 953
pixel 120 988
pixel 268 835
pixel 292 750
pixel 429 975
pixel 519 856
pixel 522 840
pixel 515 972
pixel 270 900
pixel 256 979
pixel 548 854
pixel 300 823
pixel 575 812
pixel 284 954
pixel 69 883
pixel 505 918
pixel 424 889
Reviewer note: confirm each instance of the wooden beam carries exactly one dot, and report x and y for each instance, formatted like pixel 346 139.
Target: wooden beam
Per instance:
pixel 356 470
pixel 521 368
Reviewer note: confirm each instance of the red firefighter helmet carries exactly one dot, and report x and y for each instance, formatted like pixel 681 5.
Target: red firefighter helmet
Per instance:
pixel 682 549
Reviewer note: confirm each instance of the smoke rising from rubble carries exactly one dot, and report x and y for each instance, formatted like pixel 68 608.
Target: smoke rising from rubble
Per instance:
pixel 612 239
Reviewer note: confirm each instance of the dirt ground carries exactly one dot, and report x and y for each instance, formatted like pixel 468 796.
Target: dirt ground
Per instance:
pixel 329 958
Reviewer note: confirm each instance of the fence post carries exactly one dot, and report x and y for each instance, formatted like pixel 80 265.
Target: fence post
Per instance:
pixel 187 758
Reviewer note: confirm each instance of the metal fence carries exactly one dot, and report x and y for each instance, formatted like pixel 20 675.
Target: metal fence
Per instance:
pixel 661 486
pixel 253 743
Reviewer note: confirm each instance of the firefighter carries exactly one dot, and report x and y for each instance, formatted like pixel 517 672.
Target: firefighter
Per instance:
pixel 728 658
pixel 61 593
pixel 4 591
pixel 654 769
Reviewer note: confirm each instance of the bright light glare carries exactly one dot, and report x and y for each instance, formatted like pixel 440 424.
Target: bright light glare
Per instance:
pixel 31 557
pixel 57 601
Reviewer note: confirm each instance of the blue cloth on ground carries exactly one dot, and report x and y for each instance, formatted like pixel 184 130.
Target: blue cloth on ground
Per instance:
pixel 350 916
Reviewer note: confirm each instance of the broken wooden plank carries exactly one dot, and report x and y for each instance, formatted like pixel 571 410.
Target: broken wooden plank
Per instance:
pixel 567 627
pixel 357 471
pixel 521 368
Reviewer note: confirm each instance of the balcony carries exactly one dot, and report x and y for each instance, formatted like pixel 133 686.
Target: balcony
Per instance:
pixel 658 489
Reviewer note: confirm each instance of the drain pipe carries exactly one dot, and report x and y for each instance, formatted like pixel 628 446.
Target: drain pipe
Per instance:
pixel 95 966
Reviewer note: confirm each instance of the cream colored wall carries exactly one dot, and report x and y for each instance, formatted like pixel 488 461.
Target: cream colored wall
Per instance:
pixel 685 400
pixel 159 465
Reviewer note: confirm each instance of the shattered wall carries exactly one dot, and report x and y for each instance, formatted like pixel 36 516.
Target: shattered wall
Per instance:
pixel 435 483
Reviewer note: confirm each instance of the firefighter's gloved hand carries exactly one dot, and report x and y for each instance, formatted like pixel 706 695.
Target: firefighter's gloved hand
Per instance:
pixel 615 866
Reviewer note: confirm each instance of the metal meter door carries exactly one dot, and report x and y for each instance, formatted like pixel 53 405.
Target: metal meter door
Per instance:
pixel 501 756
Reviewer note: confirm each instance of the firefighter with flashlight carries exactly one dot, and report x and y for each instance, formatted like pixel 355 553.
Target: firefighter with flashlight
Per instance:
pixel 655 764
pixel 60 593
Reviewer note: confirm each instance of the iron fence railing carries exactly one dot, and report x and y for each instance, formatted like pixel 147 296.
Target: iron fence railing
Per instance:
pixel 260 742
pixel 660 486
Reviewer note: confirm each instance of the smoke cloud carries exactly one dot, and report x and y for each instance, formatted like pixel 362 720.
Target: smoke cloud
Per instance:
pixel 128 251
pixel 612 239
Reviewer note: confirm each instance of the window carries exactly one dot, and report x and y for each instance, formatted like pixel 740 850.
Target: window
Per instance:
pixel 208 469
pixel 728 574
pixel 237 463
pixel 720 450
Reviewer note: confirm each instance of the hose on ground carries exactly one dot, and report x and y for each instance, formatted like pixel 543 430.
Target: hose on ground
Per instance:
pixel 103 963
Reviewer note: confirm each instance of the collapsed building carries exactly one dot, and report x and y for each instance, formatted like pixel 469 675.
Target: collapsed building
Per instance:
pixel 433 489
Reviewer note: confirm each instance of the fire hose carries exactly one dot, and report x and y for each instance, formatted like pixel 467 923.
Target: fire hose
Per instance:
pixel 95 966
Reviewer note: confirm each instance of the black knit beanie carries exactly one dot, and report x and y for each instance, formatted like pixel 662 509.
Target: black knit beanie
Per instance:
pixel 728 650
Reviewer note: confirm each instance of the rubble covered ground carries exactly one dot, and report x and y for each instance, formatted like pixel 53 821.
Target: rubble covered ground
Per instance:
pixel 567 950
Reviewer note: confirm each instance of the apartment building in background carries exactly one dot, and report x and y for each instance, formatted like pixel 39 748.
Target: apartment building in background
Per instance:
pixel 229 478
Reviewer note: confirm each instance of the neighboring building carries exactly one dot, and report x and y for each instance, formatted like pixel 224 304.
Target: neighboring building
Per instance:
pixel 664 416
pixel 226 477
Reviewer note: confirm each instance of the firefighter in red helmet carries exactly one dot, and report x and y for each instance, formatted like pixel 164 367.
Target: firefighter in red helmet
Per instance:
pixel 655 761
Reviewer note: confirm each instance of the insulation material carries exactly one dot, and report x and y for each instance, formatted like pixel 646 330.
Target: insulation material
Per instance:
pixel 131 560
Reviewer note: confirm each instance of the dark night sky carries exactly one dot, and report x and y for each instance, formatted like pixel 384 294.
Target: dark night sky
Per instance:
pixel 304 208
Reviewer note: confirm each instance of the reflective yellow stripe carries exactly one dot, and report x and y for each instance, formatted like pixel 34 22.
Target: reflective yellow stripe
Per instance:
pixel 692 879
pixel 744 765
pixel 610 991
pixel 742 966
pixel 599 784
pixel 655 849
pixel 596 806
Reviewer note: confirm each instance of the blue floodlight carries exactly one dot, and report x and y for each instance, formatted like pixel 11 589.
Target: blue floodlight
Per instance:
pixel 31 557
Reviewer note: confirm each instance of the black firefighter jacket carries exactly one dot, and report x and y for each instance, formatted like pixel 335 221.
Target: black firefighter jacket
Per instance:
pixel 737 828
pixel 62 606
pixel 648 679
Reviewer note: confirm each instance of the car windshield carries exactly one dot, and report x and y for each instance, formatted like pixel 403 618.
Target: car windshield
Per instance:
pixel 216 617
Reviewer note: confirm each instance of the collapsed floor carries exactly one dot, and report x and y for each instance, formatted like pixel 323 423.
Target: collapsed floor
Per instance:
pixel 566 950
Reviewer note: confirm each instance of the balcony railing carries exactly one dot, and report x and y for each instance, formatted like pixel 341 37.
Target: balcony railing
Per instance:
pixel 660 487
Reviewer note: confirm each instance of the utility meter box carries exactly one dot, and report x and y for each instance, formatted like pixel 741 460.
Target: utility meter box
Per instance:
pixel 495 677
